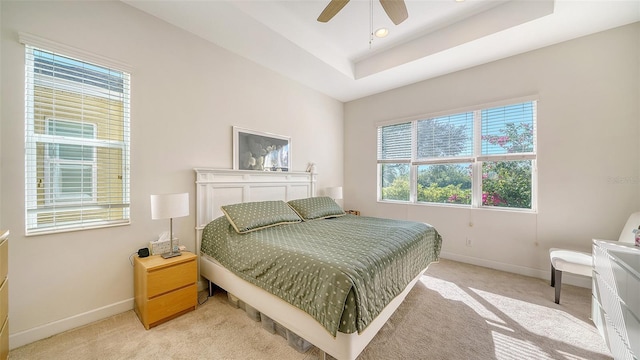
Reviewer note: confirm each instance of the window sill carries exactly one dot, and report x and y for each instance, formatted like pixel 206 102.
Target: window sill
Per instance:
pixel 457 206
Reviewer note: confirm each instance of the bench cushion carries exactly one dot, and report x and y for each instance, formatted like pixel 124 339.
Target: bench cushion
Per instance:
pixel 575 262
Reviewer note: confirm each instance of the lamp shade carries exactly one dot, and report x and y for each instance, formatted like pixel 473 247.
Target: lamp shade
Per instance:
pixel 168 206
pixel 335 192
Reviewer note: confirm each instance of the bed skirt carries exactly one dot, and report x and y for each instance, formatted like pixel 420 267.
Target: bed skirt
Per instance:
pixel 342 346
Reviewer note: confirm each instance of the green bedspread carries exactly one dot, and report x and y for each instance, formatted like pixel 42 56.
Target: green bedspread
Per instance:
pixel 342 271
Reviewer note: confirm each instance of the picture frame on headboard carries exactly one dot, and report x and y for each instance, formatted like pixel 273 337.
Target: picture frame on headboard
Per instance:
pixel 260 151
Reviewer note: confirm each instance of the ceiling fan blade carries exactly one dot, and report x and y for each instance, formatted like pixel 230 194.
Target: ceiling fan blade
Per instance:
pixel 396 9
pixel 332 9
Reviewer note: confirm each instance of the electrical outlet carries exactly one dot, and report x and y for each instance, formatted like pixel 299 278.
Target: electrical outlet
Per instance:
pixel 468 241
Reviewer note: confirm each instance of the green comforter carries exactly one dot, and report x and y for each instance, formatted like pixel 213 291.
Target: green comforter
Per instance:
pixel 342 271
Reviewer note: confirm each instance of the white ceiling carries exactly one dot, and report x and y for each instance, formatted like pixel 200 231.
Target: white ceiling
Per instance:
pixel 439 37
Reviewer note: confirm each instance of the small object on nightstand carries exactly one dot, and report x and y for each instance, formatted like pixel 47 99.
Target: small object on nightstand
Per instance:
pixel 164 288
pixel 158 247
pixel 144 252
pixel 353 212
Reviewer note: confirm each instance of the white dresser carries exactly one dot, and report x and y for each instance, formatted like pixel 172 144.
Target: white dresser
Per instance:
pixel 616 297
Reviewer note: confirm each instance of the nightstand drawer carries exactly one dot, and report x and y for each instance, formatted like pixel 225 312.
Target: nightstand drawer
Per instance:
pixel 164 306
pixel 167 279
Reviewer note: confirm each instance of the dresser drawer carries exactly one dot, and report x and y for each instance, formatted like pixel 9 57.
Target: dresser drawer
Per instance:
pixel 4 300
pixel 4 259
pixel 4 340
pixel 632 330
pixel 627 286
pixel 597 315
pixel 164 306
pixel 167 279
pixel 608 298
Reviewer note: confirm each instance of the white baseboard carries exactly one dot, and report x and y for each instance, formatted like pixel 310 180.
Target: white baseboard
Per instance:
pixel 56 327
pixel 570 279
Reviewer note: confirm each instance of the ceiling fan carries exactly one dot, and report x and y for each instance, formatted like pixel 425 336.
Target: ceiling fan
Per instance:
pixel 395 9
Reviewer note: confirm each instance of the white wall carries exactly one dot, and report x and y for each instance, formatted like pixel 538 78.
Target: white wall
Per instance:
pixel 588 136
pixel 1 152
pixel 186 96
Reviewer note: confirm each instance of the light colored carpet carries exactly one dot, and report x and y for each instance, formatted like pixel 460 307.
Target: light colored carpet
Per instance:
pixel 456 311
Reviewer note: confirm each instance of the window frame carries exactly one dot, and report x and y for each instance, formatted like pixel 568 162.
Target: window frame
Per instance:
pixel 45 202
pixel 476 160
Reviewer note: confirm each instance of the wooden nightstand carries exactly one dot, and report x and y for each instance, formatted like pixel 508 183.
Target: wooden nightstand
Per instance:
pixel 164 288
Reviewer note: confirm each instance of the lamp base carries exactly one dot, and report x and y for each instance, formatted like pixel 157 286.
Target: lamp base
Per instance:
pixel 171 254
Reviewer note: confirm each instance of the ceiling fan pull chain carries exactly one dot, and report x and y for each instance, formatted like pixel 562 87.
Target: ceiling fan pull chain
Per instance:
pixel 370 23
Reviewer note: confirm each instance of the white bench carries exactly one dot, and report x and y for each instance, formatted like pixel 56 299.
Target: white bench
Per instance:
pixel 581 263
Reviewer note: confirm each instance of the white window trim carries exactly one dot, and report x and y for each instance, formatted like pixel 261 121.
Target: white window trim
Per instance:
pixel 70 51
pixel 31 187
pixel 476 161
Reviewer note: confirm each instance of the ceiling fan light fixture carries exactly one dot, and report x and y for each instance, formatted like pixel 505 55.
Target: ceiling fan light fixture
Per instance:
pixel 382 32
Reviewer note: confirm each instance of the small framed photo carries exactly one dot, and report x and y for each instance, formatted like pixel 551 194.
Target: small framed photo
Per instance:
pixel 260 151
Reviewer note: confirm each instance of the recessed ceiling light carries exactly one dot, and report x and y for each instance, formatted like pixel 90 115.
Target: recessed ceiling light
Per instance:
pixel 382 32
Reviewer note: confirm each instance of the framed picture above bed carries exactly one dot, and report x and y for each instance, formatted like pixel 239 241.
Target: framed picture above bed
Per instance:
pixel 260 151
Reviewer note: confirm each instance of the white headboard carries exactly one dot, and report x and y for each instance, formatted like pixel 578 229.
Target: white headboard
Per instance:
pixel 217 187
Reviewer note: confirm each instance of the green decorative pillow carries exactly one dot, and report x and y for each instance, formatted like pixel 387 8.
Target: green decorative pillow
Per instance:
pixel 316 208
pixel 252 216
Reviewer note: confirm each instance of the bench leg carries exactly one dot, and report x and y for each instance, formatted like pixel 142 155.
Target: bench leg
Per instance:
pixel 553 276
pixel 558 284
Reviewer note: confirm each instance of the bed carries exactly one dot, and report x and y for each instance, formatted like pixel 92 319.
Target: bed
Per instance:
pixel 342 320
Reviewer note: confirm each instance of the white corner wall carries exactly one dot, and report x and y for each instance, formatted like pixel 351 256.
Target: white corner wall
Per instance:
pixel 588 154
pixel 186 96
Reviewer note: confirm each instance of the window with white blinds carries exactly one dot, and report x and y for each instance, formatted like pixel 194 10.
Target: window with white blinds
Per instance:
pixel 77 143
pixel 484 157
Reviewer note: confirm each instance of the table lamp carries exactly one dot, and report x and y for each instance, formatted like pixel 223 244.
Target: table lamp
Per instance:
pixel 334 192
pixel 169 206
